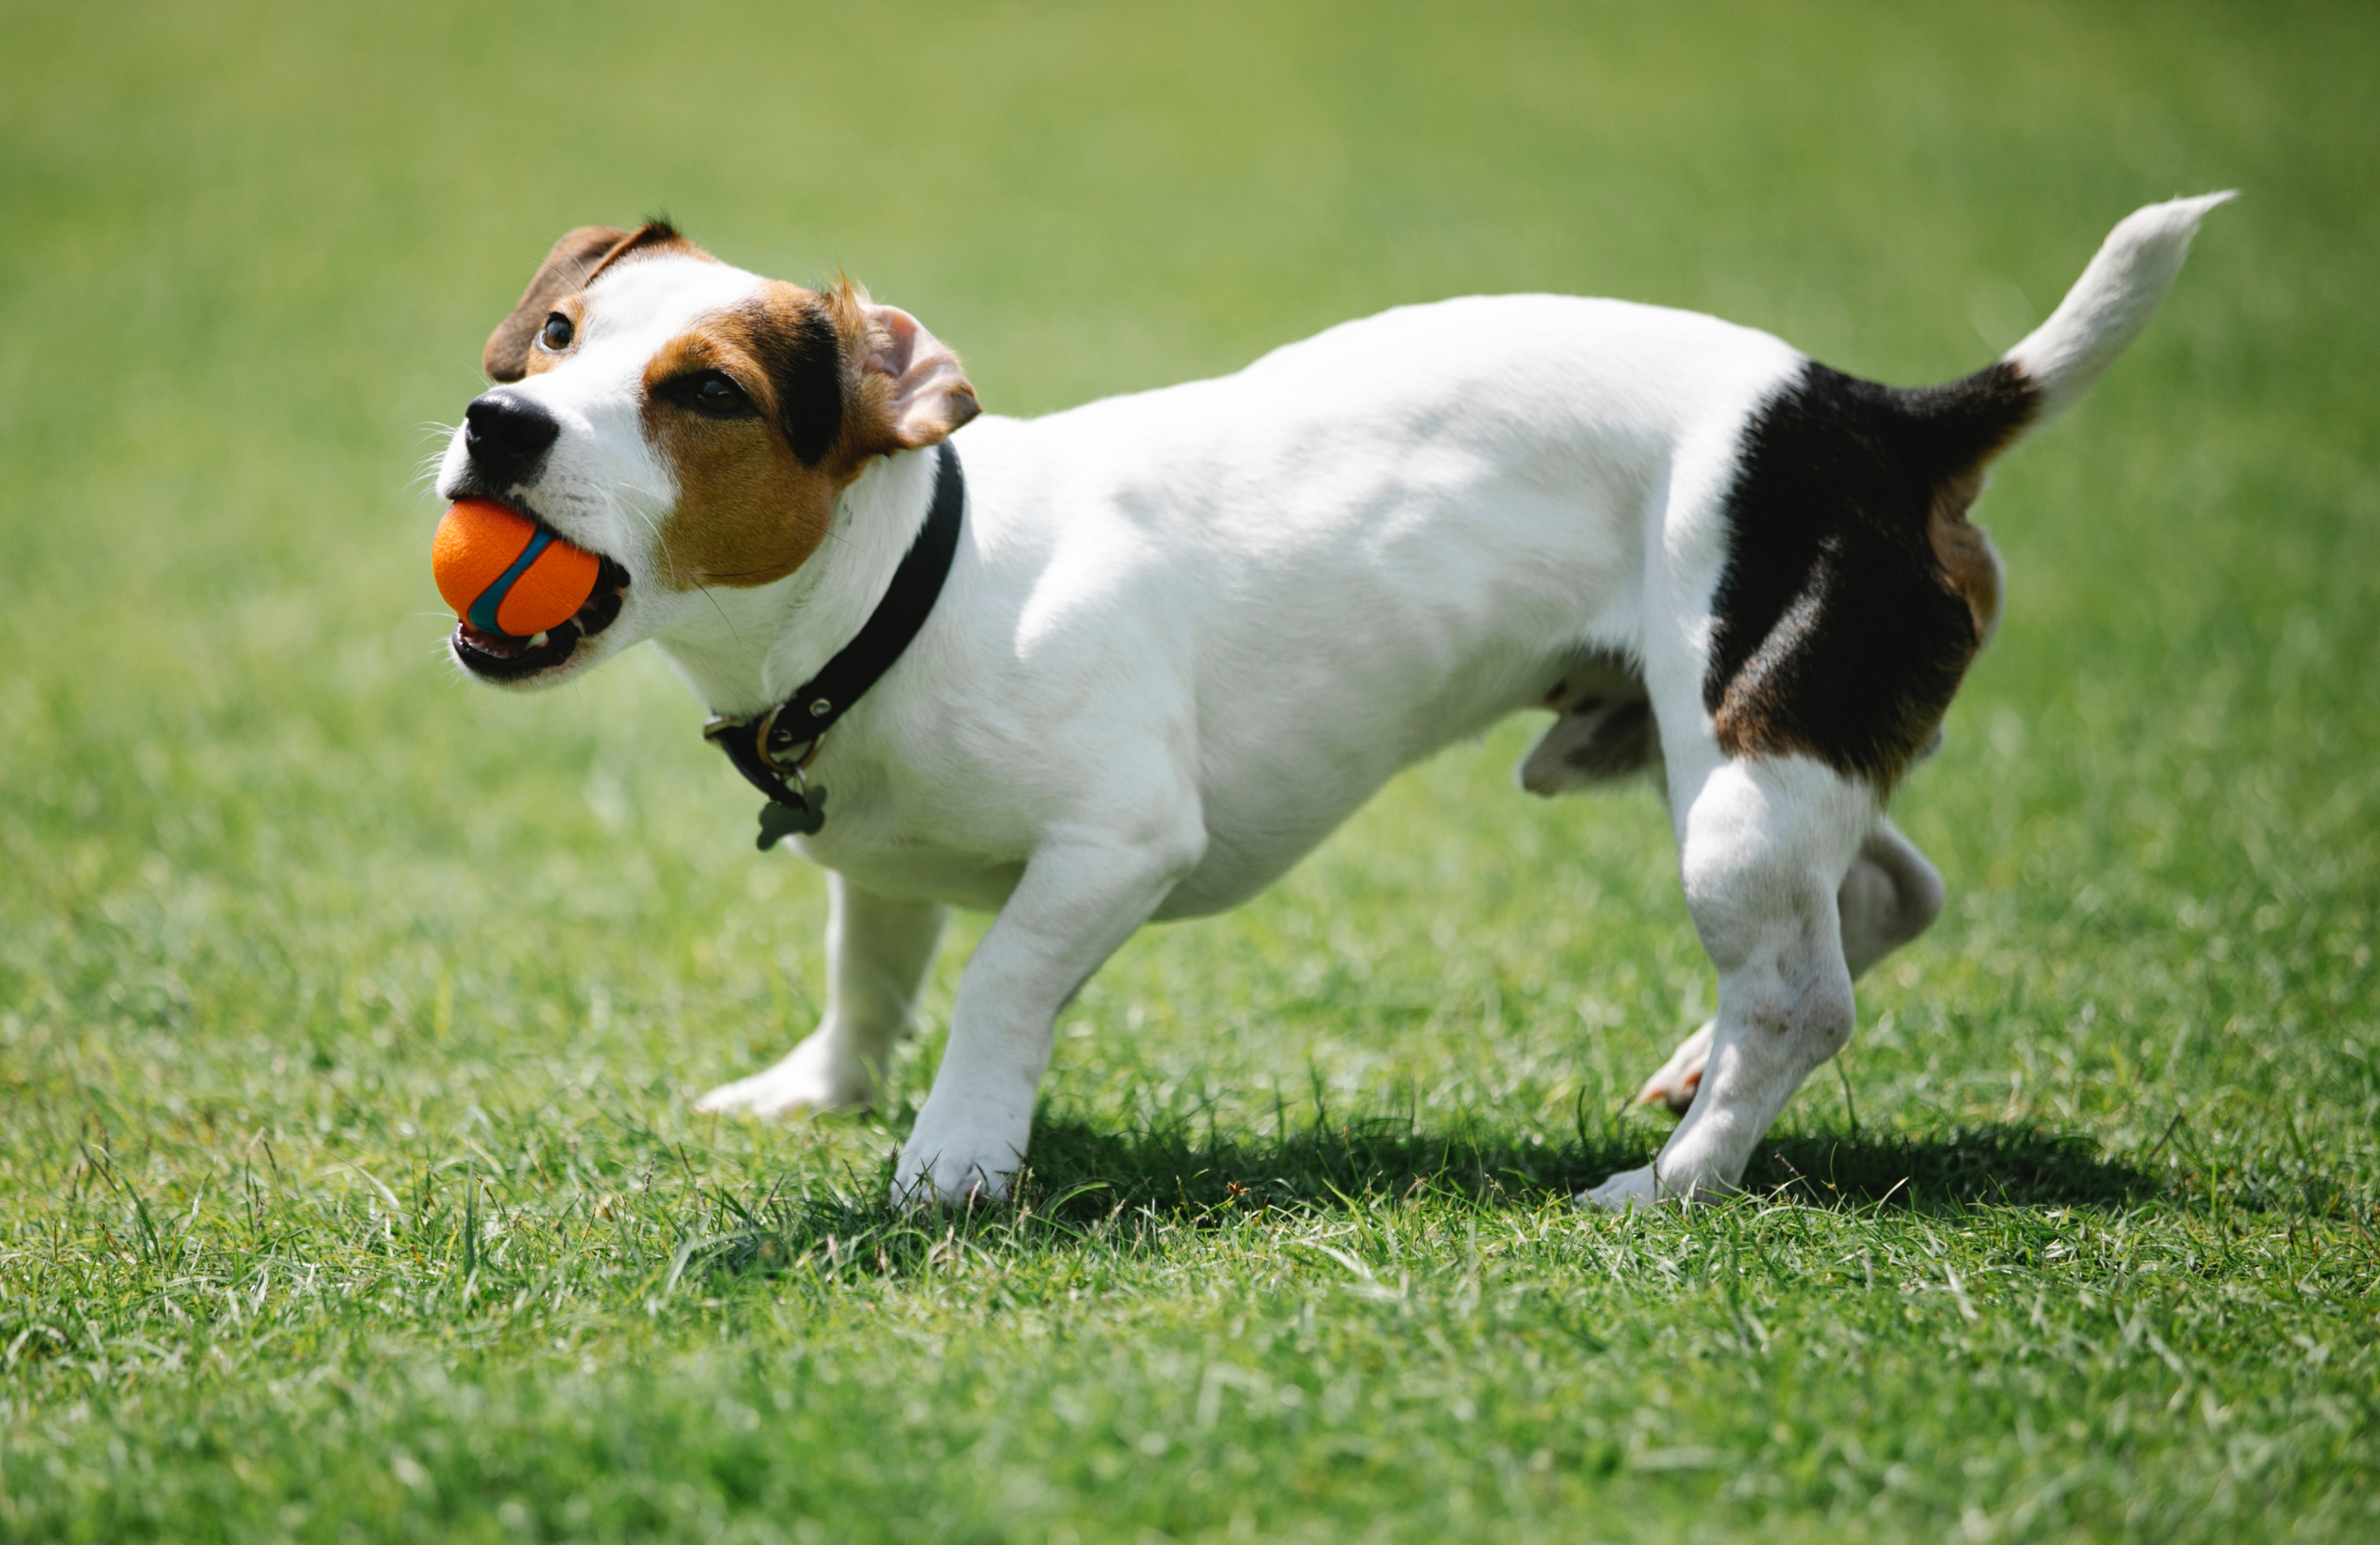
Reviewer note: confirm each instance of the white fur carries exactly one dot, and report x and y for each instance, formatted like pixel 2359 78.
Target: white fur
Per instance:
pixel 1188 631
pixel 2113 301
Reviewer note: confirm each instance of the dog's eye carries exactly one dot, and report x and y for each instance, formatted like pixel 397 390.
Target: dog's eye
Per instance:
pixel 712 394
pixel 557 333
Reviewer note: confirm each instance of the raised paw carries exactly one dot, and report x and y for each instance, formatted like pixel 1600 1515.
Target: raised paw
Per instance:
pixel 816 1076
pixel 1675 1084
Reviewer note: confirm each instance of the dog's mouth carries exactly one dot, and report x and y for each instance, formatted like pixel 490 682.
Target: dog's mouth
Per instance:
pixel 499 656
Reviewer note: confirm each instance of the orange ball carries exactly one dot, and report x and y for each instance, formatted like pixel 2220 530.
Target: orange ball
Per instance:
pixel 503 572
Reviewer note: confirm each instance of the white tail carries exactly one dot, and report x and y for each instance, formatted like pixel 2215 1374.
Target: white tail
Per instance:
pixel 2113 301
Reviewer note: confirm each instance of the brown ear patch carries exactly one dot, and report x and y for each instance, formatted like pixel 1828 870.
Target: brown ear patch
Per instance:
pixel 574 262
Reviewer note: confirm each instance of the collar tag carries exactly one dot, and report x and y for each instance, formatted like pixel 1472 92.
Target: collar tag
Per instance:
pixel 780 819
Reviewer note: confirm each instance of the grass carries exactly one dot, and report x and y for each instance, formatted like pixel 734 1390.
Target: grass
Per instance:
pixel 348 1016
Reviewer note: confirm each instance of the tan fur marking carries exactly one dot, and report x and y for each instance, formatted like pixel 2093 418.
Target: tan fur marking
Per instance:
pixel 749 512
pixel 1969 563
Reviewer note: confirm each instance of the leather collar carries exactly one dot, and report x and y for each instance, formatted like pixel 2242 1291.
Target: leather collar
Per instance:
pixel 771 749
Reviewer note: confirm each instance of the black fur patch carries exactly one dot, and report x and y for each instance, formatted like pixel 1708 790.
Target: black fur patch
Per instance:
pixel 805 365
pixel 1840 633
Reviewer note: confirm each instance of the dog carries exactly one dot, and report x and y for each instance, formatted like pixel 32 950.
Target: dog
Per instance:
pixel 1132 660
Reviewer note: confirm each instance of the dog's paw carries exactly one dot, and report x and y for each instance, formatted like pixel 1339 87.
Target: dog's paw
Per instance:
pixel 954 1165
pixel 1675 1084
pixel 1630 1187
pixel 1644 1188
pixel 814 1077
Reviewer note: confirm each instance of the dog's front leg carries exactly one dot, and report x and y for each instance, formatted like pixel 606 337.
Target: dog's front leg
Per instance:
pixel 1077 901
pixel 877 954
pixel 1765 847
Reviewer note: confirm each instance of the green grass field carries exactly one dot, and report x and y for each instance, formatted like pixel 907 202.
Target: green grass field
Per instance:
pixel 349 1015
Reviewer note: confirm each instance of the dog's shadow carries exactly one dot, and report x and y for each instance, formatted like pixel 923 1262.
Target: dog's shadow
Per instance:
pixel 1093 1183
pixel 1094 1168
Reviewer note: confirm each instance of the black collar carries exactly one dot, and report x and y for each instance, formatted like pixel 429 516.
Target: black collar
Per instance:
pixel 771 749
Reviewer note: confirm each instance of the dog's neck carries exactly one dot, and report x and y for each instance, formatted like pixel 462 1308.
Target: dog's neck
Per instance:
pixel 749 649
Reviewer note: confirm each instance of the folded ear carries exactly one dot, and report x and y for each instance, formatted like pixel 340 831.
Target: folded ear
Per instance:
pixel 564 272
pixel 925 394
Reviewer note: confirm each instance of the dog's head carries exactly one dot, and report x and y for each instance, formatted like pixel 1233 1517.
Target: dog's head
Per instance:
pixel 690 424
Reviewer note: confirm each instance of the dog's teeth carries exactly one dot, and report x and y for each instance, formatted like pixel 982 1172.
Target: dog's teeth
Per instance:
pixel 537 641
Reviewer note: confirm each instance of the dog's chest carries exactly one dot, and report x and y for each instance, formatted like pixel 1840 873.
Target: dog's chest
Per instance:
pixel 908 869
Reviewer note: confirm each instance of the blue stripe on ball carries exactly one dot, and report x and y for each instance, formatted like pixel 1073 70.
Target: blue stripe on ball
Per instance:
pixel 483 611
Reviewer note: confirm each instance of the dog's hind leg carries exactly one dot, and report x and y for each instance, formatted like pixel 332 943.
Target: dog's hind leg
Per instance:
pixel 878 952
pixel 1891 895
pixel 1765 843
pixel 1675 1084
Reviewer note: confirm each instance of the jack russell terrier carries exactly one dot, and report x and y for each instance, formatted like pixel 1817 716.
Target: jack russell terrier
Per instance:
pixel 1132 660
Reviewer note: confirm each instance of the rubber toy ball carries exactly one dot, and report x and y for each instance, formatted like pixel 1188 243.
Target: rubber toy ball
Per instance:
pixel 504 573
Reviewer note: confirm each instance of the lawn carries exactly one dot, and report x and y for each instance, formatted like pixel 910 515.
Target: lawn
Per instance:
pixel 350 1016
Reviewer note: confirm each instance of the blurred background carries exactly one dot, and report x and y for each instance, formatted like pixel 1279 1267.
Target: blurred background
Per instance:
pixel 285 905
pixel 248 814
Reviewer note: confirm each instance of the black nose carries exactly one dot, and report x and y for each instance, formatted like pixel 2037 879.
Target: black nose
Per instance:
pixel 506 436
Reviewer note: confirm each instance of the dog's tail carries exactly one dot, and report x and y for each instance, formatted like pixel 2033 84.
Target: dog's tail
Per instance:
pixel 1948 433
pixel 1837 473
pixel 2110 304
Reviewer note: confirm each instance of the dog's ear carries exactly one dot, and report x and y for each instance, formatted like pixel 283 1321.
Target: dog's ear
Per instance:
pixel 564 272
pixel 911 385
